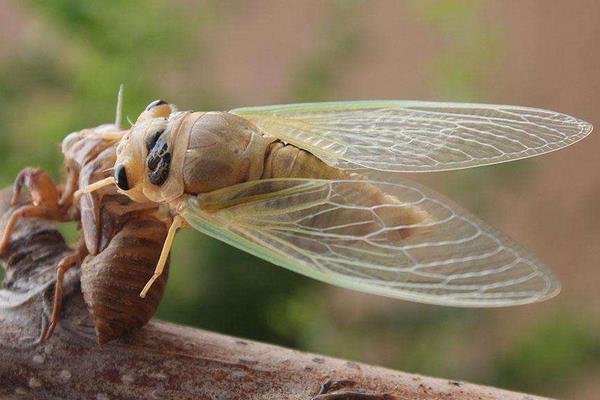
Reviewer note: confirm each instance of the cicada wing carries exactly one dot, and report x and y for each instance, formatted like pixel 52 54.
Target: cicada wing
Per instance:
pixel 416 136
pixel 392 239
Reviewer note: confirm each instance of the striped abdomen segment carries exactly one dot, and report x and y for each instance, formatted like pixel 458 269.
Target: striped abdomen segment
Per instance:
pixel 111 281
pixel 288 161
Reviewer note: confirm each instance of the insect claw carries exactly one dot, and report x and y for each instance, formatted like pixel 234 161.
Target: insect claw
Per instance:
pixel 49 331
pixel 148 285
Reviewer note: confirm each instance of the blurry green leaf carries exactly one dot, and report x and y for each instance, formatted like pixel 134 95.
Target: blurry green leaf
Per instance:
pixel 70 231
pixel 316 77
pixel 551 354
pixel 224 289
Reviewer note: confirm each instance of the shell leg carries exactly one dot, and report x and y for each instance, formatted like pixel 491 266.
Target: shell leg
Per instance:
pixel 177 223
pixel 41 186
pixel 65 264
pixel 69 188
pixel 44 197
pixel 30 211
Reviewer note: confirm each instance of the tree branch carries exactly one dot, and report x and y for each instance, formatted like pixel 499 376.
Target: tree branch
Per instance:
pixel 165 361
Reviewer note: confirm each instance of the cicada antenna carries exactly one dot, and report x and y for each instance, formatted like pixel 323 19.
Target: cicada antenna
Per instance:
pixel 119 113
pixel 130 122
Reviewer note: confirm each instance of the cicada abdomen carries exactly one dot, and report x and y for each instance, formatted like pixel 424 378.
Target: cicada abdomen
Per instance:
pixel 111 280
pixel 288 161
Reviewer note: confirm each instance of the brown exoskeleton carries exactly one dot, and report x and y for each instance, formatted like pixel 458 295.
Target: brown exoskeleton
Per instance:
pixel 121 239
pixel 313 187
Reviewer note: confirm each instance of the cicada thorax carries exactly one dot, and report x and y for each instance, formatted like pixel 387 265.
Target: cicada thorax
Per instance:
pixel 189 153
pixel 223 150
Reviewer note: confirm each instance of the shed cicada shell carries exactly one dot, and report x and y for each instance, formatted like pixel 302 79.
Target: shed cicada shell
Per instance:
pixel 316 188
pixel 120 238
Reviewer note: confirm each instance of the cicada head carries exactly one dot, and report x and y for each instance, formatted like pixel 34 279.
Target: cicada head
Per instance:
pixel 130 172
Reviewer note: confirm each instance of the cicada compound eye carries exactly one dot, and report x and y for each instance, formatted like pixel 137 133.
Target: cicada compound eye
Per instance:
pixel 157 109
pixel 154 104
pixel 121 177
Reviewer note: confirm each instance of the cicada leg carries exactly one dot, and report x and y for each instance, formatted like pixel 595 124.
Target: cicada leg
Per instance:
pixel 177 223
pixel 41 186
pixel 70 187
pixel 94 186
pixel 66 263
pixel 45 202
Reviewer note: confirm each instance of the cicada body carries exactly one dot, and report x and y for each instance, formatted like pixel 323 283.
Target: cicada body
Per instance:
pixel 315 188
pixel 122 238
pixel 194 153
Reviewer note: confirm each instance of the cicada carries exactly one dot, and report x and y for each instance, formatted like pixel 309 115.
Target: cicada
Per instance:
pixel 317 188
pixel 120 238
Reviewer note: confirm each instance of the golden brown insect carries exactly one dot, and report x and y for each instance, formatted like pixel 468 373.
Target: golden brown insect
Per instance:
pixel 120 242
pixel 315 188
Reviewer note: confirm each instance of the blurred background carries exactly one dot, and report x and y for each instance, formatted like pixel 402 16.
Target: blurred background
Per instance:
pixel 61 62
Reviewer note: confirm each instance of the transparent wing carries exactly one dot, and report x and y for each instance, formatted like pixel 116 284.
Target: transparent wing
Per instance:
pixel 415 136
pixel 392 239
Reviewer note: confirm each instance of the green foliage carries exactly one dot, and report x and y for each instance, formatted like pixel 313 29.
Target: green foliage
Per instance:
pixel 316 77
pixel 551 355
pixel 224 289
pixel 92 49
pixel 471 47
pixel 116 28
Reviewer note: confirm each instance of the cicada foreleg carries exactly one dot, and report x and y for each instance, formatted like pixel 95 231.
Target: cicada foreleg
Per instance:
pixel 177 223
pixel 45 202
pixel 94 186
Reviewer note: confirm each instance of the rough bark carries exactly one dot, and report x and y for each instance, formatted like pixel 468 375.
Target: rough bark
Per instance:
pixel 165 361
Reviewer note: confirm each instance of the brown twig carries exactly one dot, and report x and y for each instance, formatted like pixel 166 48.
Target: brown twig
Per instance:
pixel 165 361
